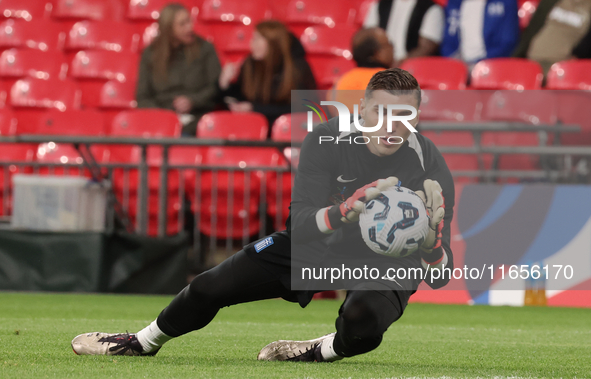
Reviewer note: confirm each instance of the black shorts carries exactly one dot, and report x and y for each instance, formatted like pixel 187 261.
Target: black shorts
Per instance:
pixel 273 253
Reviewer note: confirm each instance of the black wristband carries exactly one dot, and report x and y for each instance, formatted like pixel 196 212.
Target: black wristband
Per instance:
pixel 434 257
pixel 334 217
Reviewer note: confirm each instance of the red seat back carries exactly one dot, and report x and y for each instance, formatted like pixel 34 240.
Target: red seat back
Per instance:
pixel 8 123
pixel 27 10
pixel 149 10
pixel 235 11
pixel 328 70
pixel 573 74
pixel 16 64
pixel 70 122
pixel 103 35
pixel 507 73
pixel 233 126
pixel 41 35
pixel 39 93
pixel 88 10
pixel 311 12
pixel 290 127
pixel 451 105
pixel 336 41
pixel 146 123
pixel 438 72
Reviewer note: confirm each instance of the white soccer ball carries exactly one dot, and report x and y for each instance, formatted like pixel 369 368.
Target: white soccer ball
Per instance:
pixel 395 223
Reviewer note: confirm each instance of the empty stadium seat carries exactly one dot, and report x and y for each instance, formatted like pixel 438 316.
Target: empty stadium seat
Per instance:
pixel 232 40
pixel 147 123
pixel 92 69
pixel 10 155
pixel 456 162
pixel 30 97
pixel 507 73
pixel 75 10
pixel 452 105
pixel 363 8
pixel 438 72
pixel 526 10
pixel 530 107
pixel 233 11
pixel 27 10
pixel 149 10
pixel 312 12
pixel 572 74
pixel 16 64
pixel 335 41
pixel 328 70
pixel 233 125
pixel 103 35
pixel 41 35
pixel 117 95
pixel 290 127
pixel 8 123
pixel 573 108
pixel 152 123
pixel 230 196
pixel 70 122
pixel 44 94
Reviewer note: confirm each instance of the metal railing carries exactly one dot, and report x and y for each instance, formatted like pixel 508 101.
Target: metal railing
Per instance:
pixel 122 203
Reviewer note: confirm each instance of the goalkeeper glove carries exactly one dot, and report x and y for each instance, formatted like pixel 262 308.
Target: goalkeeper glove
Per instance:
pixel 434 202
pixel 349 210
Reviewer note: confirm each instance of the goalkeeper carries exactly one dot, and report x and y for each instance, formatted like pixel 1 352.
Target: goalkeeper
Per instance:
pixel 331 186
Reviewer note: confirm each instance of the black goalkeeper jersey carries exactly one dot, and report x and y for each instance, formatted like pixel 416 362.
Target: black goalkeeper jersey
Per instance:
pixel 330 172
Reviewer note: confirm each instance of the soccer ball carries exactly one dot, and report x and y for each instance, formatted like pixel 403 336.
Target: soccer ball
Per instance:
pixel 395 223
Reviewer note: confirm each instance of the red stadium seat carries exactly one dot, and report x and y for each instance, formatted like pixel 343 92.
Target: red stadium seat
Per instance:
pixel 17 64
pixel 152 123
pixel 311 12
pixel 10 155
pixel 530 107
pixel 117 95
pixel 70 122
pixel 149 10
pixel 8 123
pixel 451 105
pixel 75 10
pixel 230 198
pixel 30 97
pixel 573 108
pixel 103 35
pixel 233 126
pixel 335 41
pixel 438 72
pixel 362 9
pixel 235 11
pixel 232 40
pixel 27 10
pixel 525 12
pixel 328 70
pixel 73 122
pixel 92 69
pixel 573 74
pixel 290 127
pixel 45 94
pixel 507 73
pixel 147 123
pixel 41 35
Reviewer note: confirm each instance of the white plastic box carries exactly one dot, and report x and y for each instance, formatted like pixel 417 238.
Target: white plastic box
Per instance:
pixel 58 203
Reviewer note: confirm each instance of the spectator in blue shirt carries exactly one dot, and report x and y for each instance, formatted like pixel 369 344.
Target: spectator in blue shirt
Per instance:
pixel 480 29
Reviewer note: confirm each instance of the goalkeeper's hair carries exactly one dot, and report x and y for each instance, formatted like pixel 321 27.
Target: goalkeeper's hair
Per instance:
pixel 395 81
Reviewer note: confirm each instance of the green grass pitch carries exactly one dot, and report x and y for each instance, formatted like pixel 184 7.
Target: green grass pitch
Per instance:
pixel 437 341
